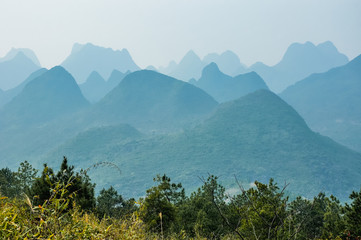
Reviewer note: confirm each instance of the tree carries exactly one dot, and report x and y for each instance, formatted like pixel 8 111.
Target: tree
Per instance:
pixel 261 211
pixel 78 186
pixel 200 213
pixel 111 204
pixel 26 175
pixel 159 208
pixel 353 214
pixel 40 189
pixel 8 183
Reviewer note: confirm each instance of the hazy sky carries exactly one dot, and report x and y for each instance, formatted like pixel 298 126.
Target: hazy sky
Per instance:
pixel 157 31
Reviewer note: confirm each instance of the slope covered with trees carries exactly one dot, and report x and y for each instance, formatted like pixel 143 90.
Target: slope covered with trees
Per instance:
pixel 255 137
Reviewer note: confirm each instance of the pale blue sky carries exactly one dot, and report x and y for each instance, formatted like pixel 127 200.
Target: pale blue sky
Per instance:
pixel 157 31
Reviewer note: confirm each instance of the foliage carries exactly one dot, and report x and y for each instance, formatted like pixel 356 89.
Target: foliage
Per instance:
pixel 8 182
pixel 54 219
pixel 159 207
pixel 199 215
pixel 260 212
pixel 26 175
pixel 79 185
pixel 111 204
pixel 353 214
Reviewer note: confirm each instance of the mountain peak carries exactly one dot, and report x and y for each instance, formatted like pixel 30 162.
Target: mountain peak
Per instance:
pixel 125 52
pixel 150 99
pixel 95 77
pixel 48 96
pixel 261 106
pixel 211 69
pixel 230 54
pixel 190 57
pixel 87 58
pixel 27 52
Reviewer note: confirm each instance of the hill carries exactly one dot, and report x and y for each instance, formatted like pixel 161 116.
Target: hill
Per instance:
pixel 189 67
pixel 27 52
pixel 46 97
pixel 115 78
pixel 225 88
pixel 7 96
pixel 87 58
pixel 148 100
pixel 228 62
pixel 94 87
pixel 255 137
pixel 15 70
pixel 330 102
pixel 299 61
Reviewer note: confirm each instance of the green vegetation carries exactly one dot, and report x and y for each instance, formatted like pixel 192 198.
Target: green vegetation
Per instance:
pixel 258 137
pixel 166 212
pixel 149 100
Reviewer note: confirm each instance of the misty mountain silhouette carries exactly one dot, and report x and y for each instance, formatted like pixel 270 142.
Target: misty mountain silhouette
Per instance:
pixel 27 52
pixel 94 87
pixel 52 94
pixel 15 70
pixel 225 88
pixel 299 61
pixel 87 58
pixel 255 137
pixel 189 67
pixel 7 96
pixel 330 102
pixel 152 100
pixel 228 62
pixel 115 78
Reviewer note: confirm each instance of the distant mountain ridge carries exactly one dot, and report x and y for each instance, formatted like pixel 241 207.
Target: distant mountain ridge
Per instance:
pixel 95 87
pixel 330 102
pixel 225 88
pixel 52 94
pixel 228 62
pixel 7 96
pixel 26 51
pixel 87 58
pixel 191 65
pixel 299 61
pixel 14 70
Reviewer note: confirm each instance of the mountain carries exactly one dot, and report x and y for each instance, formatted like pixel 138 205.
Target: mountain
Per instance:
pixel 255 137
pixel 225 88
pixel 27 52
pixel 148 99
pixel 52 94
pixel 94 87
pixel 7 96
pixel 189 67
pixel 228 62
pixel 15 70
pixel 168 69
pixel 115 78
pixel 330 102
pixel 299 61
pixel 87 58
pixel 152 68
